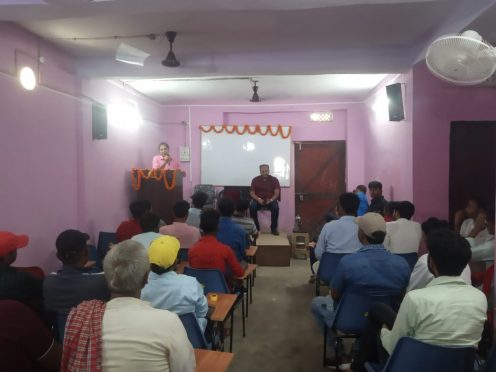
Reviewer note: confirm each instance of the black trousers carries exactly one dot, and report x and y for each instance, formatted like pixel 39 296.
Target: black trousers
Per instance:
pixel 274 213
pixel 370 349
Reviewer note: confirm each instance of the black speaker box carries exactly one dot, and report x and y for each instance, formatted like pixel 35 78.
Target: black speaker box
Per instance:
pixel 99 121
pixel 395 96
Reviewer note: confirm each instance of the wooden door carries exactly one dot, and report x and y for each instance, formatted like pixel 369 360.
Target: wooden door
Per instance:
pixel 319 180
pixel 472 163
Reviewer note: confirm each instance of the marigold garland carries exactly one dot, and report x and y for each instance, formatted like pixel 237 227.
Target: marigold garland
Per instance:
pixel 157 174
pixel 242 129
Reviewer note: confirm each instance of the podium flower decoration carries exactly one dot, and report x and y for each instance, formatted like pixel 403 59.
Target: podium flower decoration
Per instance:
pixel 157 174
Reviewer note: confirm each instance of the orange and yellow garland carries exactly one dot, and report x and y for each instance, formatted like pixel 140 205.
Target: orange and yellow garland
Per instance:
pixel 157 174
pixel 242 129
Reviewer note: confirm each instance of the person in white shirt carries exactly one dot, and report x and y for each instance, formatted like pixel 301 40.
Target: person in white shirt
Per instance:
pixel 465 218
pixel 198 200
pixel 149 223
pixel 447 312
pixel 168 290
pixel 403 235
pixel 482 250
pixel 421 276
pixel 126 334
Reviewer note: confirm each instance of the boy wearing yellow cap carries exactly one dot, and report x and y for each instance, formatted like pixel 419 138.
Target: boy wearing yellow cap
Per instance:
pixel 168 290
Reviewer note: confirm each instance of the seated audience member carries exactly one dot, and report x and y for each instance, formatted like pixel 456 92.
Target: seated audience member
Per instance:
pixel 125 334
pixel 245 222
pixel 149 227
pixel 17 285
pixel 446 312
pixel 26 343
pixel 341 236
pixel 230 233
pixel 186 234
pixel 311 246
pixel 389 211
pixel 209 253
pixel 74 283
pixel 483 251
pixel 377 202
pixel 198 200
pixel 421 276
pixel 465 219
pixel 403 235
pixel 128 229
pixel 361 192
pixel 168 290
pixel 372 266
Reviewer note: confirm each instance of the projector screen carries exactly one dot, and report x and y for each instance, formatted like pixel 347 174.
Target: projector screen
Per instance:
pixel 233 159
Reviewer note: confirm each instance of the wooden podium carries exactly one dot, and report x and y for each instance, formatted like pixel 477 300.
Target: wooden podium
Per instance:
pixel 161 193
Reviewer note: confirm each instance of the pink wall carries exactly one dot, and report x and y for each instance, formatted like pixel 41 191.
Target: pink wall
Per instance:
pixel 58 177
pixel 388 148
pixel 435 106
pixel 349 123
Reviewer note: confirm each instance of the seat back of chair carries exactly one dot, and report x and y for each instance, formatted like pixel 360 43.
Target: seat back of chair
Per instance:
pixel 411 259
pixel 60 322
pixel 35 271
pixel 104 240
pixel 193 330
pixel 212 280
pixel 328 265
pixel 183 254
pixel 354 305
pixel 411 355
pixel 491 360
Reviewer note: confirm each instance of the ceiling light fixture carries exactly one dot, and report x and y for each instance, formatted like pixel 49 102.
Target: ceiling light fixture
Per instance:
pixel 27 78
pixel 255 97
pixel 321 117
pixel 170 60
pixel 131 55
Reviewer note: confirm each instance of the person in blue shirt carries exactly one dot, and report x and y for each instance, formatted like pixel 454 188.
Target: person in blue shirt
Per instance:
pixel 372 266
pixel 341 236
pixel 229 232
pixel 168 290
pixel 361 192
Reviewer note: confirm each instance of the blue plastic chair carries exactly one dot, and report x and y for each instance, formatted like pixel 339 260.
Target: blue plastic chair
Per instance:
pixel 328 264
pixel 490 365
pixel 411 355
pixel 183 254
pixel 104 240
pixel 352 311
pixel 193 330
pixel 411 259
pixel 213 281
pixel 60 322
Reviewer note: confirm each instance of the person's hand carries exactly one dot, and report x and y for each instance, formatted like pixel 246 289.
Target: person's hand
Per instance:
pixel 311 245
pixel 481 221
pixel 261 201
pixel 268 201
pixel 460 216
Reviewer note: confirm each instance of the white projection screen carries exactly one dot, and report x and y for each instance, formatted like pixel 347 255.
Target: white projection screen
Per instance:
pixel 233 159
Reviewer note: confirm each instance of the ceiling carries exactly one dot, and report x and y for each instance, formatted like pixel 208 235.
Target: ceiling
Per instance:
pixel 258 38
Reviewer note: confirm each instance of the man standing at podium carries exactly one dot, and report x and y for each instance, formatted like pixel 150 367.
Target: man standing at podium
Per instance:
pixel 265 191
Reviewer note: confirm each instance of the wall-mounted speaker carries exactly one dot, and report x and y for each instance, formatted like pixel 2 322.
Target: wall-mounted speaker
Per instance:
pixel 395 96
pixel 99 121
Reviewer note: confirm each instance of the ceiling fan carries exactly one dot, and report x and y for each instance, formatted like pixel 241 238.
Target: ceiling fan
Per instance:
pixel 462 59
pixel 170 60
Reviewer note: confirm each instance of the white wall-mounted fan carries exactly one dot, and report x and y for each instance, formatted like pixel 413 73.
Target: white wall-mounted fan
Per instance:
pixel 463 59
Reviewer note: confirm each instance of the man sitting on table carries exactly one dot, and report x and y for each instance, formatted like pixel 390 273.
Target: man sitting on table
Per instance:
pixel 265 191
pixel 168 290
pixel 209 253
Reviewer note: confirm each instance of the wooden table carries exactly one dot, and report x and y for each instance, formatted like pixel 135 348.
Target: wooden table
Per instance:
pixel 222 307
pixel 212 361
pixel 248 275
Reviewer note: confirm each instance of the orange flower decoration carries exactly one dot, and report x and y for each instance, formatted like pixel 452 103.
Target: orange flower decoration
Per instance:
pixel 157 174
